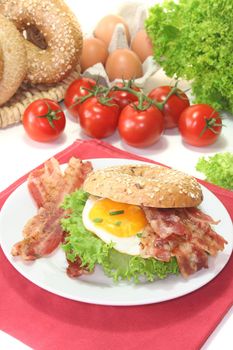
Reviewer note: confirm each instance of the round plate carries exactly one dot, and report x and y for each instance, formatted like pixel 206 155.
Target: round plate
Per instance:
pixel 50 272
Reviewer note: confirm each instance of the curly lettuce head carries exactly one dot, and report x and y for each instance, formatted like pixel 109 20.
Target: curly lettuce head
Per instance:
pixel 193 39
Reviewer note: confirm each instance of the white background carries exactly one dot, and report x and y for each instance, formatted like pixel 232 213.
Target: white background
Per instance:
pixel 19 154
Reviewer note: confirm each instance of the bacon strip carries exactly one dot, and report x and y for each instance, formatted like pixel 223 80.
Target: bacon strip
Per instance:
pixel 74 176
pixel 165 222
pixel 75 269
pixel 190 258
pixel 197 215
pixel 42 234
pixel 48 186
pixel 184 233
pixel 45 184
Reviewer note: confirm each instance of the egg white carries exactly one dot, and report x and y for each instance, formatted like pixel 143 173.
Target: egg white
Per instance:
pixel 127 245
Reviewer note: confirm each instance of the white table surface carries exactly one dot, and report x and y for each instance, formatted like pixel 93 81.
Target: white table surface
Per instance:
pixel 19 154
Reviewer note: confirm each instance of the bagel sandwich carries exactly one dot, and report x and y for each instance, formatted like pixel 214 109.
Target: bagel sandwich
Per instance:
pixel 138 222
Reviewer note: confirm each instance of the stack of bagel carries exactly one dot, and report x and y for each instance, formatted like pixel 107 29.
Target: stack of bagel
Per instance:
pixel 40 48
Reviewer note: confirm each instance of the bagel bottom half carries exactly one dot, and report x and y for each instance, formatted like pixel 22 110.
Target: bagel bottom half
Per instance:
pixel 144 185
pixel 13 60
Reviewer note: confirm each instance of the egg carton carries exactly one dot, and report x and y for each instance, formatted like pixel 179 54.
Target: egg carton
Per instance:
pixel 98 73
pixel 134 14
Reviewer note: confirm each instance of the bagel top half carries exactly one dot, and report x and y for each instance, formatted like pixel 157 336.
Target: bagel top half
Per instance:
pixel 144 185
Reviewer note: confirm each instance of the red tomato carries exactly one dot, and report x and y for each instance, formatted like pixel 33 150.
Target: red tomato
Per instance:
pixel 98 120
pixel 140 128
pixel 75 91
pixel 123 98
pixel 200 125
pixel 43 120
pixel 174 105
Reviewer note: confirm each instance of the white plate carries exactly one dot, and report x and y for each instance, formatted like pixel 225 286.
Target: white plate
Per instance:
pixel 50 273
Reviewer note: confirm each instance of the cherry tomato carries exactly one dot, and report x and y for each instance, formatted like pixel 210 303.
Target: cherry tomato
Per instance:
pixel 75 91
pixel 140 128
pixel 97 119
pixel 43 120
pixel 174 105
pixel 200 125
pixel 123 98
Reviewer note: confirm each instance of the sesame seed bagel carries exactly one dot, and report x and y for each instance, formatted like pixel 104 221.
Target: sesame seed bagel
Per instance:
pixel 151 186
pixel 60 31
pixel 13 60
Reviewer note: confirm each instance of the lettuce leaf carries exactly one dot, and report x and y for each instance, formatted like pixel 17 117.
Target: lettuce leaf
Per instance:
pixel 218 169
pixel 92 250
pixel 193 39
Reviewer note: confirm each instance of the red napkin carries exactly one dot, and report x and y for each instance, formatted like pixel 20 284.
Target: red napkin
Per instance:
pixel 44 321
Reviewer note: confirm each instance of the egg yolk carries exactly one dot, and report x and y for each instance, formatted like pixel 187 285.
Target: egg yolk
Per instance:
pixel 120 219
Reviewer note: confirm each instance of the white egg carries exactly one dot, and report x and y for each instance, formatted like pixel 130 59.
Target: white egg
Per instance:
pixel 127 245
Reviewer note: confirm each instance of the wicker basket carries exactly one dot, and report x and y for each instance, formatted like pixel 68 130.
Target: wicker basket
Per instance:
pixel 12 111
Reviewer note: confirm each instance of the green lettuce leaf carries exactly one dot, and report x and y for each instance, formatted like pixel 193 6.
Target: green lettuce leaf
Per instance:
pixel 92 250
pixel 193 39
pixel 218 169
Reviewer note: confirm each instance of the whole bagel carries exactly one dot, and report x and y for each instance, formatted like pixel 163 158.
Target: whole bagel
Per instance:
pixel 151 186
pixel 60 31
pixel 13 60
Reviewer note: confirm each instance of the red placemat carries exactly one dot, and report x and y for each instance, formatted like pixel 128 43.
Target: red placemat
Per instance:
pixel 44 321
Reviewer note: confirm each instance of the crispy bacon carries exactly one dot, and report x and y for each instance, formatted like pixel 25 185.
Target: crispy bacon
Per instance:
pixel 75 269
pixel 45 184
pixel 190 258
pixel 42 234
pixel 199 224
pixel 74 176
pixel 205 237
pixel 152 245
pixel 165 222
pixel 197 215
pixel 184 233
pixel 162 249
pixel 48 186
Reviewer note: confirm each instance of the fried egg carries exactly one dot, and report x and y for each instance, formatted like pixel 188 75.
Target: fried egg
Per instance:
pixel 118 223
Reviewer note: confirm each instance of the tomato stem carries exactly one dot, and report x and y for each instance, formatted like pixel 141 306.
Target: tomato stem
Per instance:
pixel 95 91
pixel 210 123
pixel 173 91
pixel 51 115
pixel 104 100
pixel 144 102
